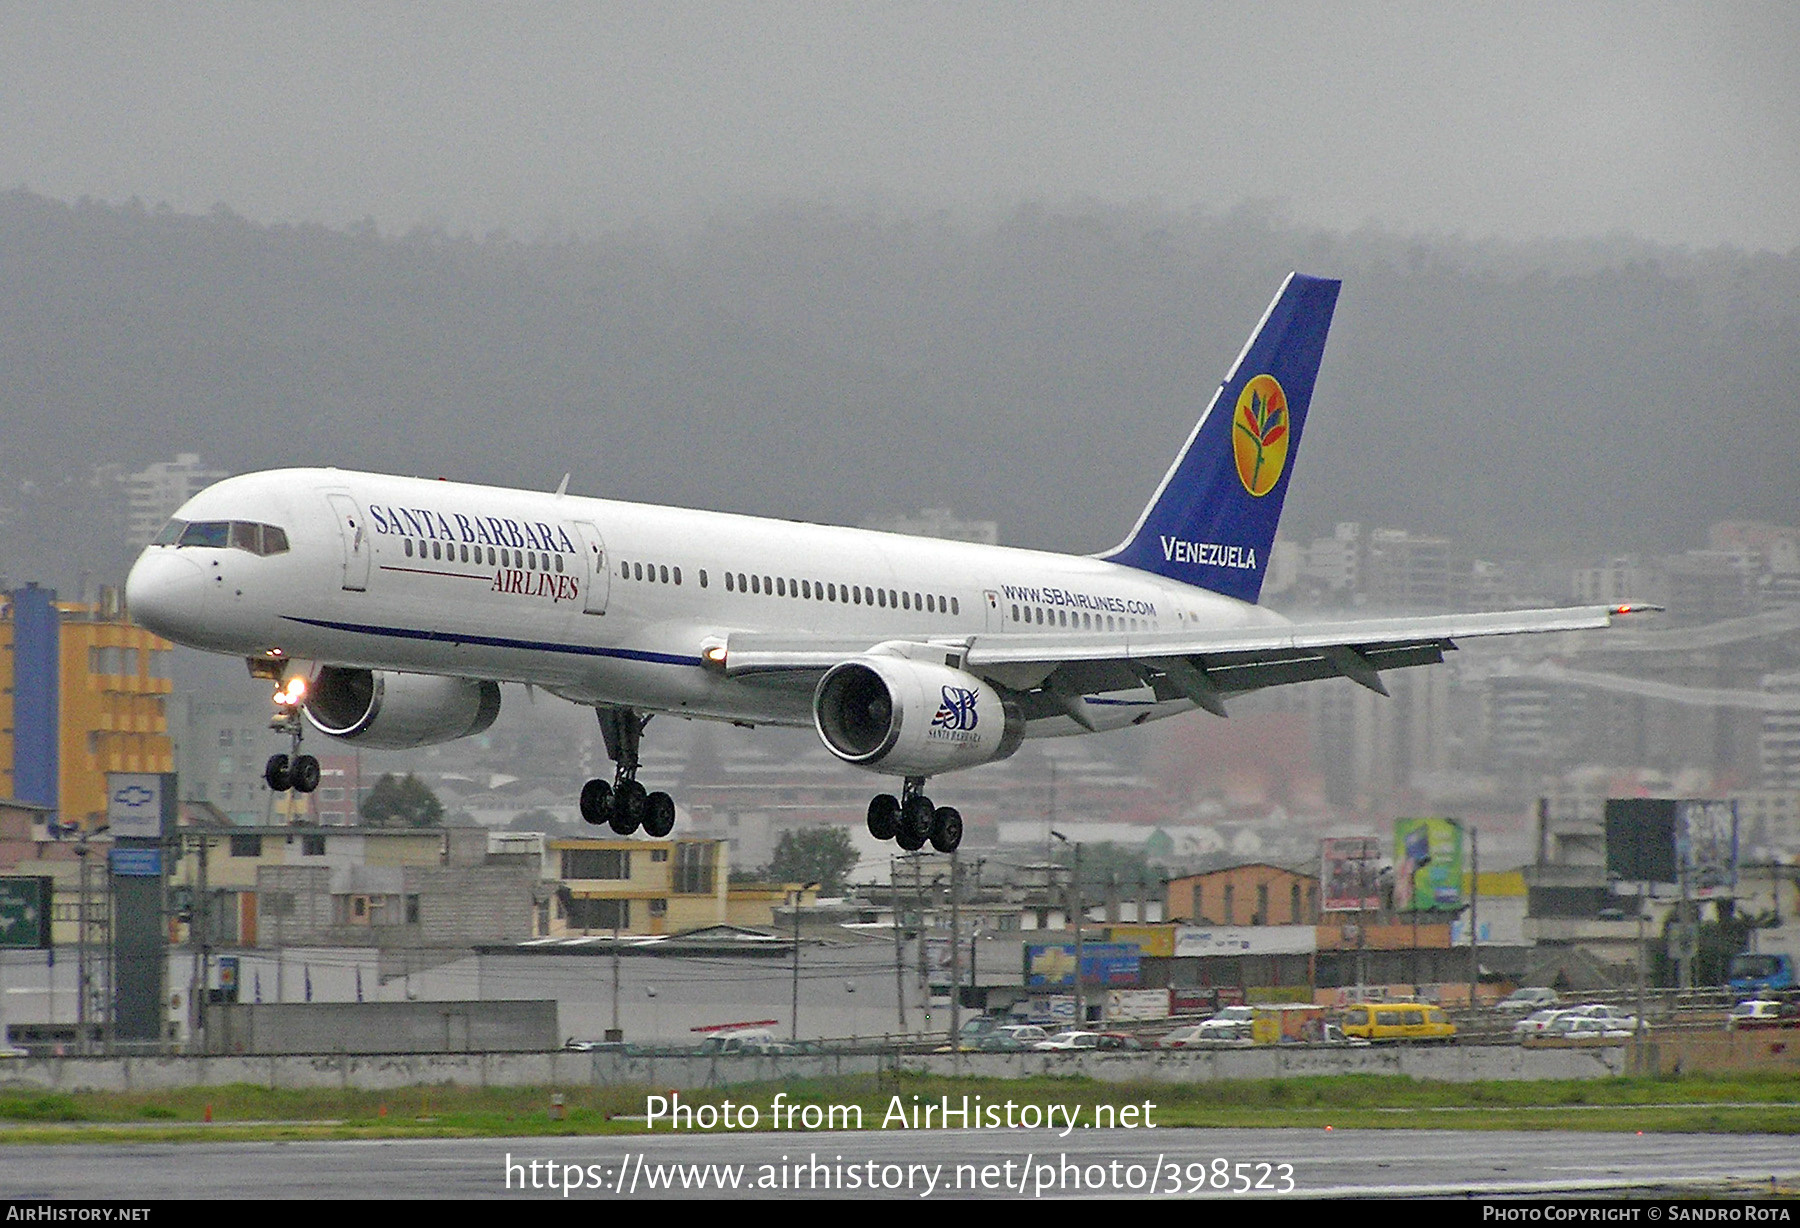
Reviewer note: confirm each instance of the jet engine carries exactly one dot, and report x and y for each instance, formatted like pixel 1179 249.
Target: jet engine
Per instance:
pixel 913 718
pixel 393 711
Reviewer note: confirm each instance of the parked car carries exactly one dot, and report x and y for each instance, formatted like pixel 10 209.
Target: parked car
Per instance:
pixel 1535 1023
pixel 1570 1026
pixel 1067 1041
pixel 1529 998
pixel 1181 1038
pixel 1232 1023
pixel 1612 1016
pixel 1764 1013
pixel 1011 1038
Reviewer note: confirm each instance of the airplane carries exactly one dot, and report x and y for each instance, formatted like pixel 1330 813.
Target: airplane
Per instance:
pixel 389 609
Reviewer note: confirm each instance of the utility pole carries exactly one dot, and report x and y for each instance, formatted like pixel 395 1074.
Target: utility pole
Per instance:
pixel 955 964
pixel 899 942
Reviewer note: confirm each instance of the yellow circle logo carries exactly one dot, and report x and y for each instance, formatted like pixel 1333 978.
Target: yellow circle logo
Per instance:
pixel 1259 434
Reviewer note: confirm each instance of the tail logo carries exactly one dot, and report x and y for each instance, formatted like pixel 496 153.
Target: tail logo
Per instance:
pixel 1259 436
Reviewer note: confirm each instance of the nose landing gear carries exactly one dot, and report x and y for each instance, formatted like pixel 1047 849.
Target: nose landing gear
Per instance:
pixel 624 805
pixel 292 770
pixel 910 820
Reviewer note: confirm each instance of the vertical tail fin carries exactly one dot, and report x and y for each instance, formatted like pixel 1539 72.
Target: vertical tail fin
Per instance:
pixel 1213 519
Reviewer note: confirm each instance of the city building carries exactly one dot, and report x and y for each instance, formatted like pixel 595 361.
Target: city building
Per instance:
pixel 82 693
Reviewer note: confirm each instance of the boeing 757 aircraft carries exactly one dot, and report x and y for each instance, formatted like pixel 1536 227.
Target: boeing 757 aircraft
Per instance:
pixel 388 609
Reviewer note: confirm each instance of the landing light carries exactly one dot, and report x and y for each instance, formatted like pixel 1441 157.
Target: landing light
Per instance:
pixel 293 694
pixel 713 654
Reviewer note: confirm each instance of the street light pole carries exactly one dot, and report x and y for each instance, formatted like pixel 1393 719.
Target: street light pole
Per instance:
pixel 804 888
pixel 1075 895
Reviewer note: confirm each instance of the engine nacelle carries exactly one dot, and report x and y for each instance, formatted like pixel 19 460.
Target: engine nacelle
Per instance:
pixel 394 711
pixel 913 718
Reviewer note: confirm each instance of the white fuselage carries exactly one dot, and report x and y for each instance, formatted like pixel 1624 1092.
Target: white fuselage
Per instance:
pixel 580 596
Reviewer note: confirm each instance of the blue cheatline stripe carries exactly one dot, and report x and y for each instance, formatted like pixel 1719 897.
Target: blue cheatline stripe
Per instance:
pixel 498 641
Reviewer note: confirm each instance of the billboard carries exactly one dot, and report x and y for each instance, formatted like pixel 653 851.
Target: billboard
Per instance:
pixel 25 911
pixel 1640 839
pixel 1350 874
pixel 1051 965
pixel 1201 940
pixel 1428 865
pixel 1706 847
pixel 1662 840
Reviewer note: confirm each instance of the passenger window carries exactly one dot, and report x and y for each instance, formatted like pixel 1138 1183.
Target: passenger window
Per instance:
pixel 730 586
pixel 703 577
pixel 637 571
pixel 408 544
pixel 780 586
pixel 767 586
pixel 678 575
pixel 664 571
pixel 756 585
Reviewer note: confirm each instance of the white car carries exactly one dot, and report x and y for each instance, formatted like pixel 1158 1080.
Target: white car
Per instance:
pixel 1611 1016
pixel 1571 1026
pixel 1232 1023
pixel 1064 1041
pixel 1535 1023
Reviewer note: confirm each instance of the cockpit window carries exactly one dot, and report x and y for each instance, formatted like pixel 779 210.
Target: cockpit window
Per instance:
pixel 215 533
pixel 263 539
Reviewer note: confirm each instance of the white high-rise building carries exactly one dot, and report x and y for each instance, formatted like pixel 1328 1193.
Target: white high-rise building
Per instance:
pixel 154 493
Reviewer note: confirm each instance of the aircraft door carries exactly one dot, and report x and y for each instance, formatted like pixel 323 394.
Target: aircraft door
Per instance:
pixel 353 531
pixel 599 569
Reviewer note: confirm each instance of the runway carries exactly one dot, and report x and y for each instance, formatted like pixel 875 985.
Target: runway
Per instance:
pixel 982 1164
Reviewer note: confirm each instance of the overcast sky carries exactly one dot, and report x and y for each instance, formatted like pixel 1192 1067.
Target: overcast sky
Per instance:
pixel 1678 123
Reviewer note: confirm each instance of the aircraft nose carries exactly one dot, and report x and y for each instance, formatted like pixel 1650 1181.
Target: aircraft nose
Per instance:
pixel 166 593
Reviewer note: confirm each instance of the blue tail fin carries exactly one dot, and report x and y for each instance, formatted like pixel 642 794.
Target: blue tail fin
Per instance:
pixel 1213 519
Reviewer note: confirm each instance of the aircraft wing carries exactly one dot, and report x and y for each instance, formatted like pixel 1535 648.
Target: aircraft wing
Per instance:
pixel 1203 666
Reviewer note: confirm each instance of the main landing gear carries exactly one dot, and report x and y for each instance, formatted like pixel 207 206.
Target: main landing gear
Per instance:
pixel 623 805
pixel 910 819
pixel 293 770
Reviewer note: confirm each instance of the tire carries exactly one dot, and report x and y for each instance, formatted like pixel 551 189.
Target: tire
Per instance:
pixel 659 815
pixel 908 841
pixel 277 775
pixel 628 806
pixel 884 816
pixel 916 816
pixel 304 774
pixel 946 829
pixel 596 802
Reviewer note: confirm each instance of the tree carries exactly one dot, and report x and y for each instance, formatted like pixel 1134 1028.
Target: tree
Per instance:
pixel 823 855
pixel 401 802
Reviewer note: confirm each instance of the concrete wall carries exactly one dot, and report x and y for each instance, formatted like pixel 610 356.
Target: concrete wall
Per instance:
pixel 563 1068
pixel 383 1027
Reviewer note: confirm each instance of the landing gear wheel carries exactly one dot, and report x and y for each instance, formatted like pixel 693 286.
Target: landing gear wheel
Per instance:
pixel 659 815
pixel 629 803
pixel 596 802
pixel 946 829
pixel 304 774
pixel 916 814
pixel 277 774
pixel 908 841
pixel 884 816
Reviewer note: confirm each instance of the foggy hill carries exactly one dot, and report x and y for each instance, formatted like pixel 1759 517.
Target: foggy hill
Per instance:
pixel 1038 368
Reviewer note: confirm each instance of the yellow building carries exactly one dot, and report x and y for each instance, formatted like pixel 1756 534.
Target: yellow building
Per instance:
pixel 637 886
pixel 82 693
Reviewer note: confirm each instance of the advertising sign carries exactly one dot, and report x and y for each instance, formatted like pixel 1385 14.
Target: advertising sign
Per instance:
pixel 1428 864
pixel 134 804
pixel 1707 848
pixel 1051 965
pixel 25 911
pixel 1123 1004
pixel 1350 874
pixel 1193 940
